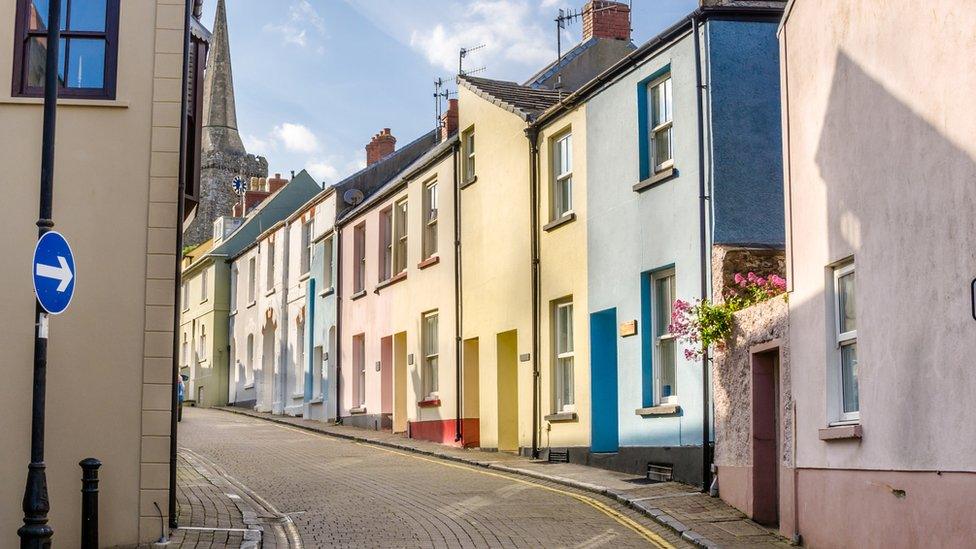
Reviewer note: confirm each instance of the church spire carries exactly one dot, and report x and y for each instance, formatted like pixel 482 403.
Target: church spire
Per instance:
pixel 219 111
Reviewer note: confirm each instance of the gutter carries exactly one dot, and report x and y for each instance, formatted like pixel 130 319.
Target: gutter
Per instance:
pixel 458 307
pixel 532 134
pixel 178 271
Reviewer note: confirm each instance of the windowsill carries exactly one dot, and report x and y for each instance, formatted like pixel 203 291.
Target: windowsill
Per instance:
pixel 357 295
pixel 469 182
pixel 67 102
pixel 659 410
pixel 327 292
pixel 432 260
pixel 298 395
pixel 269 292
pixel 658 177
pixel 402 275
pixel 567 217
pixel 232 313
pixel 251 304
pixel 317 400
pixel 204 300
pixel 841 432
pixel 305 276
pixel 249 385
pixel 429 403
pixel 561 417
pixel 358 410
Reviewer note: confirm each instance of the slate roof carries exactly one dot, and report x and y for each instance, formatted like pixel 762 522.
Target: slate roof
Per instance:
pixel 525 101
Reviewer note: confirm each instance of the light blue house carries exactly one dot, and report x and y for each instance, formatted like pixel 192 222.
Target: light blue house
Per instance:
pixel 674 177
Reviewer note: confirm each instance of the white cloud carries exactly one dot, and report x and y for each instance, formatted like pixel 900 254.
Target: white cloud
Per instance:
pixel 257 144
pixel 302 18
pixel 296 137
pixel 322 170
pixel 505 27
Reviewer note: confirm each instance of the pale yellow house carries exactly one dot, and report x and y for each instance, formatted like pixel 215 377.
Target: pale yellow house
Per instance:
pixel 110 355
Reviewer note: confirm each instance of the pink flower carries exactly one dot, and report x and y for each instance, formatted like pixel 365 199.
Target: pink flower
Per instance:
pixel 778 281
pixel 760 281
pixel 690 355
pixel 739 279
pixel 751 277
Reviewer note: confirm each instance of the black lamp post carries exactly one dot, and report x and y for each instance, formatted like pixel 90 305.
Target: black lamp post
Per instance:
pixel 36 533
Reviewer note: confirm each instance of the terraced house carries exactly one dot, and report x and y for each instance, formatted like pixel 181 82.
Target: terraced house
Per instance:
pixel 523 217
pixel 398 315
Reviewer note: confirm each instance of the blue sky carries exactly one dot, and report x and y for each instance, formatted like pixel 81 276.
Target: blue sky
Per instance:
pixel 315 79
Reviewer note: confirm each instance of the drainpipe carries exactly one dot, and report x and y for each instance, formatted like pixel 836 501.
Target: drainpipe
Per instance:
pixel 532 133
pixel 309 342
pixel 282 332
pixel 178 274
pixel 337 238
pixel 458 308
pixel 706 469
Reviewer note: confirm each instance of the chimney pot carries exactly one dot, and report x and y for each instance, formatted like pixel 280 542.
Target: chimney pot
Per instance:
pixel 382 145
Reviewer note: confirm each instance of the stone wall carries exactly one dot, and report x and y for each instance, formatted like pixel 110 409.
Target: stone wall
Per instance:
pixel 729 260
pixel 217 197
pixel 732 383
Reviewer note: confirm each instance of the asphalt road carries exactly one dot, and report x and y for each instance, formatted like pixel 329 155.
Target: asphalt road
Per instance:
pixel 341 493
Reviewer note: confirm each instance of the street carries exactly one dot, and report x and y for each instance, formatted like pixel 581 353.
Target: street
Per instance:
pixel 347 494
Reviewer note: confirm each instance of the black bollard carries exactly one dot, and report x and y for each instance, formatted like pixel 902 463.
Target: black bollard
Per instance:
pixel 89 502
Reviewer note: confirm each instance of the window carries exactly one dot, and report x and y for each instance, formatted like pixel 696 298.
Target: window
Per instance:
pixel 88 51
pixel 269 268
pixel 300 357
pixel 328 263
pixel 562 176
pixel 318 366
pixel 251 277
pixel 429 337
pixel 665 357
pixel 468 152
pixel 359 267
pixel 185 293
pixel 430 219
pixel 204 286
pixel 562 322
pixel 359 363
pixel 400 234
pixel 202 350
pixel 249 367
pixel 185 352
pixel 845 316
pixel 386 242
pixel 306 246
pixel 234 274
pixel 659 107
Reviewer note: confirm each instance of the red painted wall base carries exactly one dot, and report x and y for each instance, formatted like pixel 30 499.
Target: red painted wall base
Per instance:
pixel 443 431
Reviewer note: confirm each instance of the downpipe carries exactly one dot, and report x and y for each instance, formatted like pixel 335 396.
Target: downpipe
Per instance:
pixel 532 134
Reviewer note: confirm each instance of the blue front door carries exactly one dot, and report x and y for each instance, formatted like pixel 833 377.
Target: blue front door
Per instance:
pixel 603 380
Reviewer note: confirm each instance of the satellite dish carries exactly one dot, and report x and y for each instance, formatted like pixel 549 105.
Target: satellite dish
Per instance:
pixel 353 196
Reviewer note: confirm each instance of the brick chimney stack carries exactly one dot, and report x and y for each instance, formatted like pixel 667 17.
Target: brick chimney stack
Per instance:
pixel 276 182
pixel 382 145
pixel 449 120
pixel 606 19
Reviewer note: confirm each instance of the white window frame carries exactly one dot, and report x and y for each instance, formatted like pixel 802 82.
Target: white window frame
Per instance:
pixel 252 276
pixel 328 263
pixel 204 286
pixel 561 187
pixel 431 353
pixel 662 336
pixel 249 367
pixel 386 245
pixel 431 204
pixel 185 295
pixel 558 355
pixel 202 347
pixel 269 282
pixel 469 158
pixel 359 354
pixel 666 125
pixel 841 340
pixel 359 259
pixel 306 255
pixel 400 219
pixel 234 282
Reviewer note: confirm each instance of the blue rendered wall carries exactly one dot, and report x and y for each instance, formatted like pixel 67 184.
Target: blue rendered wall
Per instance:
pixel 746 137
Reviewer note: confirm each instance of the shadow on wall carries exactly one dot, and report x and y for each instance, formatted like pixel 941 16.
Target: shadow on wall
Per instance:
pixel 899 193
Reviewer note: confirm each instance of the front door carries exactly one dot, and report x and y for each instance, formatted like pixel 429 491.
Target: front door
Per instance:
pixel 765 438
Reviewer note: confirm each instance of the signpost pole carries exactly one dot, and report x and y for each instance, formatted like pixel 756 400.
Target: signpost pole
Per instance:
pixel 36 532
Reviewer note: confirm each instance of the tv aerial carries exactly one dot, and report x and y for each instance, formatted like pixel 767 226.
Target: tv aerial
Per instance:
pixel 464 53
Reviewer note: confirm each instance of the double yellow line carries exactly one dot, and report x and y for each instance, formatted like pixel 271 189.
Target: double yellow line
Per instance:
pixel 653 538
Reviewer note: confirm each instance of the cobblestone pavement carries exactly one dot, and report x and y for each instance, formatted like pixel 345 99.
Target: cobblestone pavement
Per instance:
pixel 342 493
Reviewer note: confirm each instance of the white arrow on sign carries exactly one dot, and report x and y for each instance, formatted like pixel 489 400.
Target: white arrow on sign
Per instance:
pixel 61 273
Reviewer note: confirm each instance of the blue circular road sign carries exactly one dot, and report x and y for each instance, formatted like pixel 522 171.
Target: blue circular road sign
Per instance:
pixel 54 272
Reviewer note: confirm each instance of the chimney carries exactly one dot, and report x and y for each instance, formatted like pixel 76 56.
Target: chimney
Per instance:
pixel 276 182
pixel 606 19
pixel 449 120
pixel 381 146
